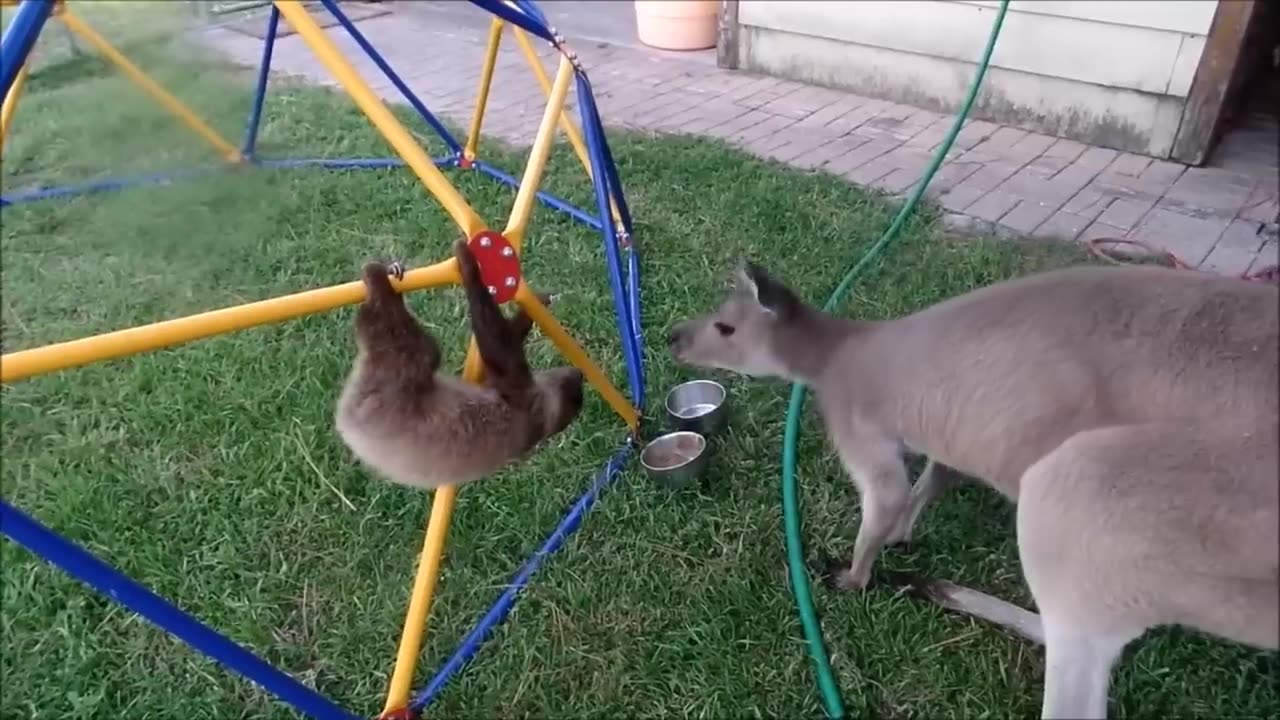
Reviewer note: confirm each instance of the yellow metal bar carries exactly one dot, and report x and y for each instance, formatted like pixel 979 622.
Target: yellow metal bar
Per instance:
pixel 522 208
pixel 424 588
pixel 551 327
pixel 424 584
pixel 60 356
pixel 151 87
pixel 566 123
pixel 11 102
pixel 482 95
pixel 382 118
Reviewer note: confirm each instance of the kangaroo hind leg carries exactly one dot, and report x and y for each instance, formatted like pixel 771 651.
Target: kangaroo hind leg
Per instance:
pixel 1103 522
pixel 1077 669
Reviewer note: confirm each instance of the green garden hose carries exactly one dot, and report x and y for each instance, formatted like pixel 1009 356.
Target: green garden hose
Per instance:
pixel 827 688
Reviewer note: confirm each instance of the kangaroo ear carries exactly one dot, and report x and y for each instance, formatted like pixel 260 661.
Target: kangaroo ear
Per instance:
pixel 771 294
pixel 742 281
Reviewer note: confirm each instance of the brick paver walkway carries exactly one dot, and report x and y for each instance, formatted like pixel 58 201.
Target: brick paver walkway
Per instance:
pixel 996 178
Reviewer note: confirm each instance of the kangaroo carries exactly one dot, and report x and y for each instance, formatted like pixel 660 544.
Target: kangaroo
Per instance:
pixel 1132 413
pixel 418 426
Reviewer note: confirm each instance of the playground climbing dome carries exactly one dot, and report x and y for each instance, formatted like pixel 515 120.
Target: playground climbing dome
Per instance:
pixel 610 218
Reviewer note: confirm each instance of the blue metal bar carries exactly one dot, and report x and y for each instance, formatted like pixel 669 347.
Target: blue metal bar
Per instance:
pixel 593 131
pixel 637 331
pixel 82 565
pixel 105 184
pixel 391 75
pixel 571 521
pixel 260 92
pixel 517 17
pixel 350 163
pixel 94 186
pixel 624 214
pixel 547 199
pixel 19 38
pixel 530 8
pixel 615 182
pixel 376 163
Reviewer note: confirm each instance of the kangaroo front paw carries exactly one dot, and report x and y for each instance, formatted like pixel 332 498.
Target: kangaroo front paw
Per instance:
pixel 901 535
pixel 837 575
pixel 847 580
pixel 396 270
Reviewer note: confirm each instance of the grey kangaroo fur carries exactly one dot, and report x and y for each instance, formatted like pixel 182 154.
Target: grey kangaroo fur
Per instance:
pixel 1131 413
pixel 418 426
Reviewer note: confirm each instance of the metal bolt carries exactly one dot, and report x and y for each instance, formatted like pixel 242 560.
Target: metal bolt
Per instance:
pixel 493 290
pixel 508 252
pixel 484 242
pixel 511 282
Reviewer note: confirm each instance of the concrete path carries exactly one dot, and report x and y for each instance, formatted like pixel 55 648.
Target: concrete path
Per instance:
pixel 996 179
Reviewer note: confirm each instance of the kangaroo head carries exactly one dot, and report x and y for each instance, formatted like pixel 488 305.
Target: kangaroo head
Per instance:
pixel 744 333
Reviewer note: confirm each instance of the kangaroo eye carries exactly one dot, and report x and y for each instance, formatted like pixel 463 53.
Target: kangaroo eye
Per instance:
pixel 725 330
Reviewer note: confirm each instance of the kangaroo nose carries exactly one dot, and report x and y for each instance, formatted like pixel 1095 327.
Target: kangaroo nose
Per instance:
pixel 673 338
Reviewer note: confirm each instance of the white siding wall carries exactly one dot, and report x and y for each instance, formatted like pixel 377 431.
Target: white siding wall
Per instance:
pixel 1114 72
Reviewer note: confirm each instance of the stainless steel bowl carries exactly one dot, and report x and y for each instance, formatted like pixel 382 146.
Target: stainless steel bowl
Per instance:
pixel 675 460
pixel 698 405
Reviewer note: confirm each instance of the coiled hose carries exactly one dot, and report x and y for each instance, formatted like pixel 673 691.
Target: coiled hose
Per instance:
pixel 827 687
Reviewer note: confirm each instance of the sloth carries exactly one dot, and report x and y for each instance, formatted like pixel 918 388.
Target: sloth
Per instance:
pixel 415 425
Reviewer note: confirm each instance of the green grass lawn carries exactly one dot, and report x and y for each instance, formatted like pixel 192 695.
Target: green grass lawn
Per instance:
pixel 211 471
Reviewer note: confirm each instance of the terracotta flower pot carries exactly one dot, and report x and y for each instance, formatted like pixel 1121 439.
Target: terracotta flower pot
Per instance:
pixel 677 24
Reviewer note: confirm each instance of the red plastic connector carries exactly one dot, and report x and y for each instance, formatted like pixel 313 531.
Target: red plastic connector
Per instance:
pixel 499 264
